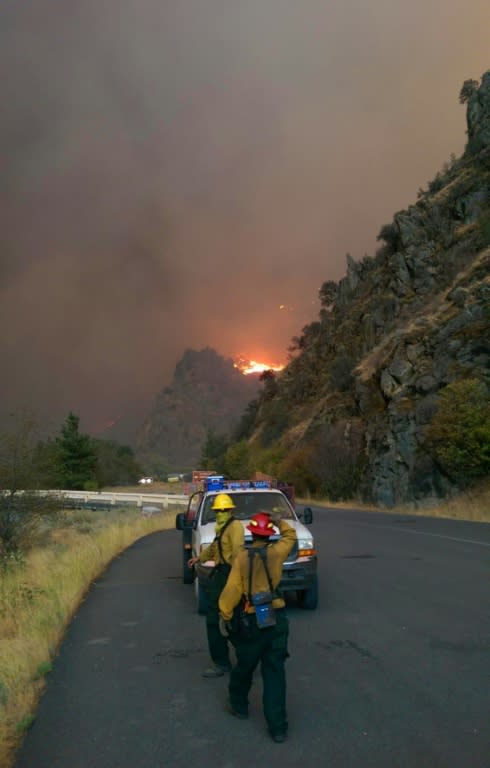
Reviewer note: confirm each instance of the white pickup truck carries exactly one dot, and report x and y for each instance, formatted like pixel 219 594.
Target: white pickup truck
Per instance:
pixel 198 527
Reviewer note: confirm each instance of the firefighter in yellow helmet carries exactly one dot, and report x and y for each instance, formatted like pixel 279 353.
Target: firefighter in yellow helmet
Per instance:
pixel 228 541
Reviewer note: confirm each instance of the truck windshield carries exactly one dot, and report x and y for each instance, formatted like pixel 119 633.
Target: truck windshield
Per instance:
pixel 248 504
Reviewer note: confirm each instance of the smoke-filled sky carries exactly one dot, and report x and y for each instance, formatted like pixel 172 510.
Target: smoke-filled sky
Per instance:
pixel 173 171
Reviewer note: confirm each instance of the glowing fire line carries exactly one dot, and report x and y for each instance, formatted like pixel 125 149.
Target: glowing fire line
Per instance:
pixel 252 366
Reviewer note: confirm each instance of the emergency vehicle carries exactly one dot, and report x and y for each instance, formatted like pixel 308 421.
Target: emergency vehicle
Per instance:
pixel 198 531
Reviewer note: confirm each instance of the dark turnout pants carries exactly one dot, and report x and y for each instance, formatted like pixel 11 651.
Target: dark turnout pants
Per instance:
pixel 218 645
pixel 270 647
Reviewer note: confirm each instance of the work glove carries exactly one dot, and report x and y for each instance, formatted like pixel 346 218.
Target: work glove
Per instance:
pixel 275 517
pixel 224 627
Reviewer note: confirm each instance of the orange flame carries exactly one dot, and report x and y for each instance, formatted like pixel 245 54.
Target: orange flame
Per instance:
pixel 252 366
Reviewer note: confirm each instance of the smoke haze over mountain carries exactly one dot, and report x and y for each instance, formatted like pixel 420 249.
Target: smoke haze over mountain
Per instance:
pixel 174 172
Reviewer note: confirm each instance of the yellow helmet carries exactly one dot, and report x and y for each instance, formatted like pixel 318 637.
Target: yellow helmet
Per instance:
pixel 222 501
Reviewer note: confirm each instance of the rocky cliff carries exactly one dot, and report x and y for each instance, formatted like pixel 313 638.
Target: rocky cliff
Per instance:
pixel 399 327
pixel 207 393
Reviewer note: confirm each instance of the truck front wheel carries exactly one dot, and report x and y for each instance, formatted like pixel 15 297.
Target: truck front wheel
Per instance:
pixel 308 598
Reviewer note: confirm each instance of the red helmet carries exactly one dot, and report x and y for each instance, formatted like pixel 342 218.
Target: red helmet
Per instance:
pixel 260 525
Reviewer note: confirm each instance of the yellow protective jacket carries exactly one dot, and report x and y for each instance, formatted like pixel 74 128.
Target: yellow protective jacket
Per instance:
pixel 232 540
pixel 237 583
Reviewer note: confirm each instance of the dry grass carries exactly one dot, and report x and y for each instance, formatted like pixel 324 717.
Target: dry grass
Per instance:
pixel 39 598
pixel 473 506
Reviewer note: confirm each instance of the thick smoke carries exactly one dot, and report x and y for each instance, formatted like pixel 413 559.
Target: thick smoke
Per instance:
pixel 173 172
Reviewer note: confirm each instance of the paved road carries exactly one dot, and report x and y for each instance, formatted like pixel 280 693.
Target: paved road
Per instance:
pixel 392 670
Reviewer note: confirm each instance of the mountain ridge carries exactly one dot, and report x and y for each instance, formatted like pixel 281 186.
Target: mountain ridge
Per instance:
pixel 207 393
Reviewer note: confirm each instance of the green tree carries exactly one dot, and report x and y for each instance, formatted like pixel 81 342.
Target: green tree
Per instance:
pixel 247 421
pixel 47 464
pixel 153 464
pixel 237 461
pixel 77 455
pixel 213 451
pixel 116 464
pixel 459 434
pixel 27 462
pixel 269 380
pixel 18 470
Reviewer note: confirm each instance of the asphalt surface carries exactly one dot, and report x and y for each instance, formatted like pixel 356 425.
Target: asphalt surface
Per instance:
pixel 391 671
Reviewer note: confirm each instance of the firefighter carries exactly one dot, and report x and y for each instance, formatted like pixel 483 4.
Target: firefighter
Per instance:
pixel 254 574
pixel 227 543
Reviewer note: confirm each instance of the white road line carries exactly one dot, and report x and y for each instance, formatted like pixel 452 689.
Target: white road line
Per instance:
pixel 425 533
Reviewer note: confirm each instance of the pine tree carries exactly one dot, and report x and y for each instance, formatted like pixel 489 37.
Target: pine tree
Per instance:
pixel 77 454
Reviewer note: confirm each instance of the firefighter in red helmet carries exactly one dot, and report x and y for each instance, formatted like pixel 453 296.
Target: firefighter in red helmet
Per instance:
pixel 253 616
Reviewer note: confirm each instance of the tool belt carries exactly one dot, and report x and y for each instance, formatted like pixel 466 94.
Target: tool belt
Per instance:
pixel 204 572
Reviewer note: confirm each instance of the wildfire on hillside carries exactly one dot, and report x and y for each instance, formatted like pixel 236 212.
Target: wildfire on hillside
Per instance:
pixel 247 366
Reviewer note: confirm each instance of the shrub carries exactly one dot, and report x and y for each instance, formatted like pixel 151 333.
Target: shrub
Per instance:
pixel 390 234
pixel 296 468
pixel 90 485
pixel 338 460
pixel 436 183
pixel 22 510
pixel 267 460
pixel 340 372
pixel 484 225
pixel 21 517
pixel 276 417
pixel 459 434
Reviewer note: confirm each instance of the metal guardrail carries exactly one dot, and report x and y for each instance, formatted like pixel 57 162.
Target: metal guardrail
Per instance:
pixel 138 499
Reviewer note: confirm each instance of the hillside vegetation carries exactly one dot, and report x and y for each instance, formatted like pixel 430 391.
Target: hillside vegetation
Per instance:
pixel 386 393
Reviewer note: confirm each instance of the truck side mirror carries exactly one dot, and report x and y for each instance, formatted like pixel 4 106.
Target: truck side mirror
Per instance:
pixel 179 521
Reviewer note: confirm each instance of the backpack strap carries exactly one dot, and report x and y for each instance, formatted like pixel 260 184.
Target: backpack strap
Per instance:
pixel 251 555
pixel 261 551
pixel 218 538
